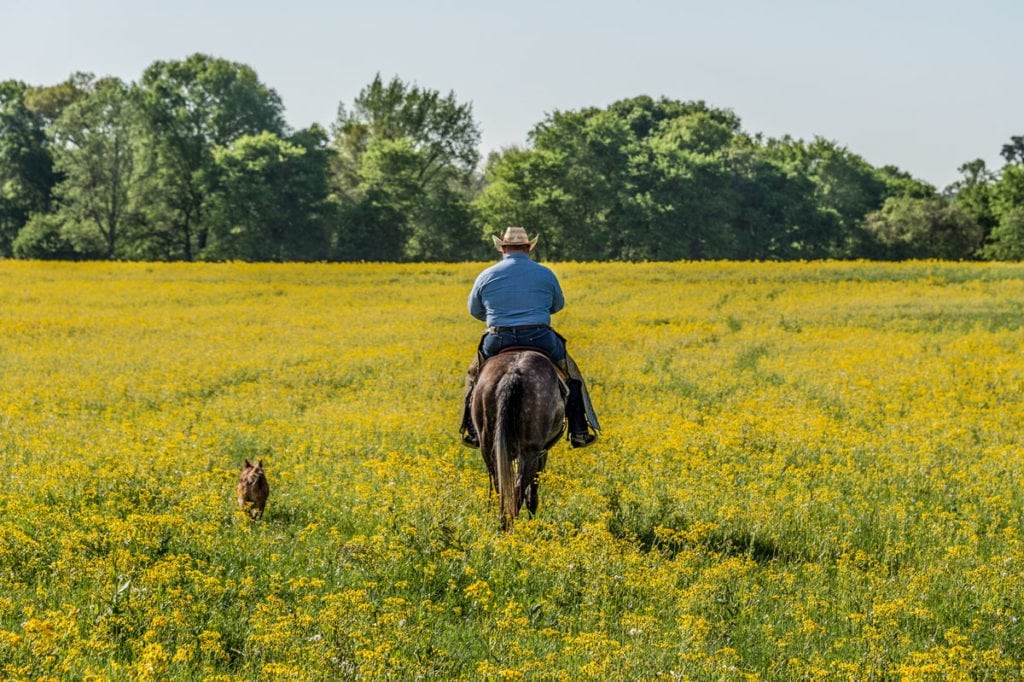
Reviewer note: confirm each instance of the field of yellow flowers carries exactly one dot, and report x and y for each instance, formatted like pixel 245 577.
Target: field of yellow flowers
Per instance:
pixel 808 471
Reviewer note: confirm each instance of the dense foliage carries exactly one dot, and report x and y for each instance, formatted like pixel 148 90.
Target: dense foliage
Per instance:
pixel 809 471
pixel 195 162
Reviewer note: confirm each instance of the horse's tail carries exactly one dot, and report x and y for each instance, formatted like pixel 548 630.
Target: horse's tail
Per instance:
pixel 509 399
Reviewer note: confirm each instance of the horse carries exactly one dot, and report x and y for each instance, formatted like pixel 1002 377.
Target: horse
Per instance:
pixel 518 409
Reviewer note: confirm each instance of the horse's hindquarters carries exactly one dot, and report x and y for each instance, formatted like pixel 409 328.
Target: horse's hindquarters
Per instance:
pixel 517 409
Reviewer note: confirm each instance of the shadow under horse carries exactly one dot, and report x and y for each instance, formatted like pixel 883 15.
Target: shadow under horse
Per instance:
pixel 518 409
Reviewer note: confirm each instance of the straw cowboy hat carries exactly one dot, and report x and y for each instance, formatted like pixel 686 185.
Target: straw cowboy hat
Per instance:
pixel 514 236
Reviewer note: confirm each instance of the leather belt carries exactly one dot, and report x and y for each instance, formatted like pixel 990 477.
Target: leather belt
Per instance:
pixel 499 330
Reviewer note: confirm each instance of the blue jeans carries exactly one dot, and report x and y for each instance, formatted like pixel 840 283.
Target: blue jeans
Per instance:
pixel 542 338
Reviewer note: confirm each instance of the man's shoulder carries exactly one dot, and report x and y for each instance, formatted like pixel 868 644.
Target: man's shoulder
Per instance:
pixel 543 268
pixel 526 264
pixel 489 270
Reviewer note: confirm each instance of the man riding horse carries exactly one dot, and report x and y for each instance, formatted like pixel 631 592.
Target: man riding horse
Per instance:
pixel 516 298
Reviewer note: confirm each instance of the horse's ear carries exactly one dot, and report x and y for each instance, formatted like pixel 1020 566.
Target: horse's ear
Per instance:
pixel 259 464
pixel 247 465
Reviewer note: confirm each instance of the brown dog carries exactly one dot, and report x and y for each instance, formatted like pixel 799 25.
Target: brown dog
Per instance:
pixel 253 489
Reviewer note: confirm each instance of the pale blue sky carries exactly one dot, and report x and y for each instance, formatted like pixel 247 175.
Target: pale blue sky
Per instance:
pixel 923 85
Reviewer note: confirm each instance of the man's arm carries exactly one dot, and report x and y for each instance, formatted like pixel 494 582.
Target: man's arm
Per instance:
pixel 476 301
pixel 557 298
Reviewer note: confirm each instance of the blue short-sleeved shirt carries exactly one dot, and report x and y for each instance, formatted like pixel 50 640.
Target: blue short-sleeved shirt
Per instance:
pixel 514 292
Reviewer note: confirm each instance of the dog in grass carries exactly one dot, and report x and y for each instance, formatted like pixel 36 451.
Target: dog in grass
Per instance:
pixel 253 489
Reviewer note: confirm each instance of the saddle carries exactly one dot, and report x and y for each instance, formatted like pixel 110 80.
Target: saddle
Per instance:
pixel 567 371
pixel 516 349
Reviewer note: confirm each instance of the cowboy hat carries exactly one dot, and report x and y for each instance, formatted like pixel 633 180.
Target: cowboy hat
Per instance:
pixel 514 236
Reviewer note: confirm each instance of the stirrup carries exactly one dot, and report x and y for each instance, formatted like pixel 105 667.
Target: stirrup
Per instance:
pixel 582 439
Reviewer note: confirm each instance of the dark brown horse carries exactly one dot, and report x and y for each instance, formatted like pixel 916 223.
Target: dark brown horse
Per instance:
pixel 518 409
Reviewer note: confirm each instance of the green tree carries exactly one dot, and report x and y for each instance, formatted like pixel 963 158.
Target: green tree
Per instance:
pixel 1006 200
pixel 192 107
pixel 647 116
pixel 26 167
pixel 1007 192
pixel 96 149
pixel 271 199
pixel 643 179
pixel 591 150
pixel 1007 239
pixel 973 194
pixel 44 238
pixel 405 170
pixel 520 188
pixel 998 200
pixel 1013 151
pixel 679 200
pixel 778 215
pixel 846 190
pixel 899 183
pixel 933 227
pixel 49 101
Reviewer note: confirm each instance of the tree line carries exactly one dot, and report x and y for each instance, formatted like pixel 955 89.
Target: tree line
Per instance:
pixel 194 161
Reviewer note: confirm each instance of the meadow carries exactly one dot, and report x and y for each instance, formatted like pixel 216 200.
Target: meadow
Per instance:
pixel 808 471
